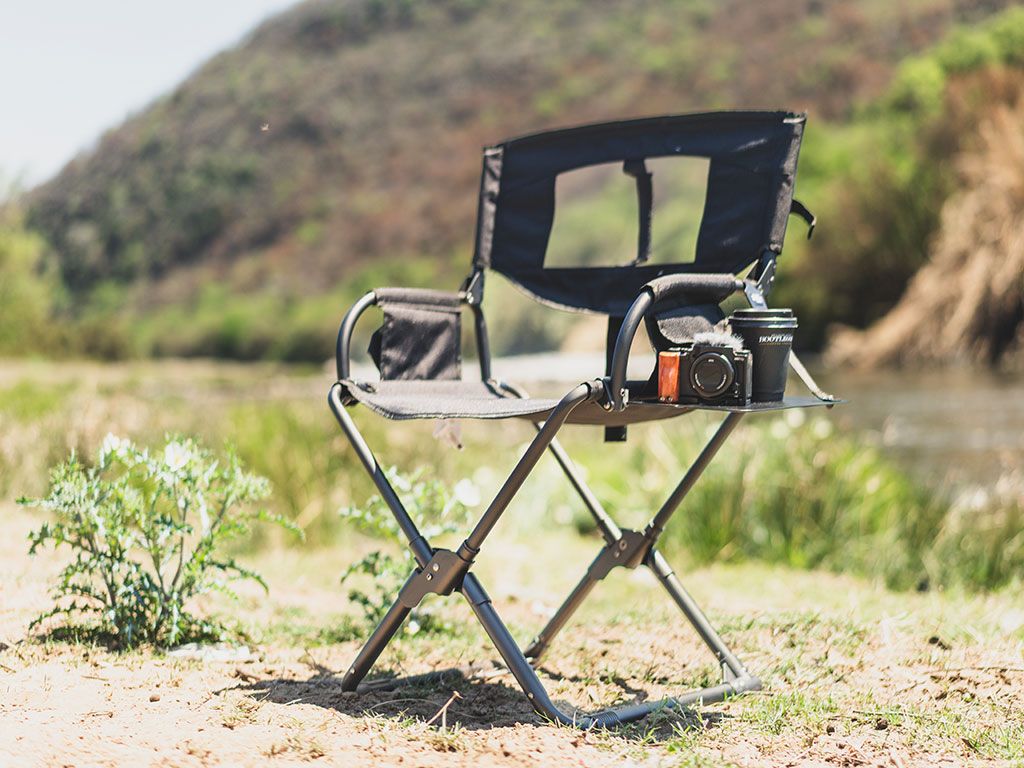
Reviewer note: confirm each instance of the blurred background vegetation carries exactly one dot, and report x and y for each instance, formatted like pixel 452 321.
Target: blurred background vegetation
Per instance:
pixel 795 490
pixel 336 149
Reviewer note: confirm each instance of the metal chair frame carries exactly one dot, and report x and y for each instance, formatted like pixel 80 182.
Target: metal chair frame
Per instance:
pixel 442 571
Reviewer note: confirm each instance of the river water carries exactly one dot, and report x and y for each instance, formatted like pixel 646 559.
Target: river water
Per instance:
pixel 957 426
pixel 950 428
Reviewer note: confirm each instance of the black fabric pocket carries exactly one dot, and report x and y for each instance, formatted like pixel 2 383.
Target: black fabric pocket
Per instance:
pixel 418 341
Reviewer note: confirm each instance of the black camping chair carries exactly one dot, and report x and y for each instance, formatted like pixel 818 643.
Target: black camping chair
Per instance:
pixel 752 163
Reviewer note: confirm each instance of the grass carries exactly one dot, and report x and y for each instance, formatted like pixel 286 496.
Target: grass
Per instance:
pixel 793 491
pixel 853 672
pixel 788 490
pixel 298 625
pixel 804 710
pixel 889 673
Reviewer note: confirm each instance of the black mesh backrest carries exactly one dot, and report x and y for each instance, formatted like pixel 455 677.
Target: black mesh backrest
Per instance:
pixel 752 163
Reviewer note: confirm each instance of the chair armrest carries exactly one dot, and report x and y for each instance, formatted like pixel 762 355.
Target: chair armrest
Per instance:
pixel 423 296
pixel 696 287
pixel 348 324
pixel 707 287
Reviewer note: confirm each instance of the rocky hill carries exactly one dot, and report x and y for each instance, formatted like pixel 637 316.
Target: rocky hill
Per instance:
pixel 337 145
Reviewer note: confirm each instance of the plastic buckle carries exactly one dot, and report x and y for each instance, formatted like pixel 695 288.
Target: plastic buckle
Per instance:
pixel 606 399
pixel 755 297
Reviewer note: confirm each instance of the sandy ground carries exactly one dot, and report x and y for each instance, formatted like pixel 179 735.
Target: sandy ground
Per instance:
pixel 854 676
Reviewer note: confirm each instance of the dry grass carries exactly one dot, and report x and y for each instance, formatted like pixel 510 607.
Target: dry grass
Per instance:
pixel 855 675
pixel 967 303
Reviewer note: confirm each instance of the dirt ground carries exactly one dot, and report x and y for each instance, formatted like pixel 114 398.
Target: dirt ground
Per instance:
pixel 854 676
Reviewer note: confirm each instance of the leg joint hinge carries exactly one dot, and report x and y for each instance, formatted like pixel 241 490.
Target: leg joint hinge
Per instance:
pixel 628 551
pixel 442 575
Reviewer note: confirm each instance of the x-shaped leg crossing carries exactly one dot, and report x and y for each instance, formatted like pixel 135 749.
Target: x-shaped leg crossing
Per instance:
pixel 442 571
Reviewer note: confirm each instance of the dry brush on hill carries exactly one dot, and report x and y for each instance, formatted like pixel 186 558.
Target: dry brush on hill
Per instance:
pixel 967 302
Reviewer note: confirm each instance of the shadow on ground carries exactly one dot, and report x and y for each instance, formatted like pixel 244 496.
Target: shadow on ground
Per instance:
pixel 482 703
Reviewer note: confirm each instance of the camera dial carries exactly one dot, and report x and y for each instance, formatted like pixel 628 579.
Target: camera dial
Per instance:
pixel 711 375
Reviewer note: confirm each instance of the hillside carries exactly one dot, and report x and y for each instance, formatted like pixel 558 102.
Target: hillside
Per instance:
pixel 337 146
pixel 966 304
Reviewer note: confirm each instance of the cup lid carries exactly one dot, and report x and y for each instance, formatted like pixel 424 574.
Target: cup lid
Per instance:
pixel 763 314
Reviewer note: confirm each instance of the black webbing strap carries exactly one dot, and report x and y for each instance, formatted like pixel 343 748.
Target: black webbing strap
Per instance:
pixel 645 200
pixel 801 210
pixel 612 434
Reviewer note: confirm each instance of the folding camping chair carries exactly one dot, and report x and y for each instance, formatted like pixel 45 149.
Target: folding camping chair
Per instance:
pixel 752 162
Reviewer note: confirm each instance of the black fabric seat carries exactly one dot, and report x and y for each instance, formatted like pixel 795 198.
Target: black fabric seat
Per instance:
pixel 401 400
pixel 404 400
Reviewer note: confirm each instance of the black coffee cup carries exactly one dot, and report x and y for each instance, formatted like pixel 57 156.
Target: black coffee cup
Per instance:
pixel 768 335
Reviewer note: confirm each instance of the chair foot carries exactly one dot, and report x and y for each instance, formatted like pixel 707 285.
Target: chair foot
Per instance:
pixel 605 718
pixel 516 664
pixel 373 648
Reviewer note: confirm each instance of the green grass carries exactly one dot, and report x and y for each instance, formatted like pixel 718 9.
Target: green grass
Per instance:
pixel 788 490
pixel 791 490
pixel 852 671
pixel 29 401
pixel 298 626
pixel 834 676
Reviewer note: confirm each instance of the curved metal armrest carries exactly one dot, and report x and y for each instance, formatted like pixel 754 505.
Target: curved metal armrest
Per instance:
pixel 348 324
pixel 660 289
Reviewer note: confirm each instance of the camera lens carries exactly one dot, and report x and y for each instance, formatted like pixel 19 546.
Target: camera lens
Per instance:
pixel 711 375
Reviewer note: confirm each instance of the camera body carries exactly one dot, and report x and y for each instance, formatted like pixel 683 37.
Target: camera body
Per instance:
pixel 709 374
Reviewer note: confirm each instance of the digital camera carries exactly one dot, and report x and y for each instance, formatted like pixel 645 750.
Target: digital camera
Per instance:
pixel 707 374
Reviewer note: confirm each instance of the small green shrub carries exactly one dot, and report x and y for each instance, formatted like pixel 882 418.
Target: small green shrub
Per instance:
pixel 919 85
pixel 146 531
pixel 29 288
pixel 438 512
pixel 966 50
pixel 1007 31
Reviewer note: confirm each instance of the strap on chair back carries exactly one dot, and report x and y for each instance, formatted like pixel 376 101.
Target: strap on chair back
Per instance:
pixel 645 206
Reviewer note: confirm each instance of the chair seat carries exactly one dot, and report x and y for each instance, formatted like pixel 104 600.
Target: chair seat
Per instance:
pixel 403 400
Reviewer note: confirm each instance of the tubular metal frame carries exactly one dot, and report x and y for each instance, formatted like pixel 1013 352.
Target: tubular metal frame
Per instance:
pixel 441 571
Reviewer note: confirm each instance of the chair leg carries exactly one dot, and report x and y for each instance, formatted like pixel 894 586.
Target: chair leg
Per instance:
pixel 627 548
pixel 421 549
pixel 656 562
pixel 439 571
pixel 528 680
pixel 609 530
pixel 730 664
pixel 575 599
pixel 451 569
pixel 373 648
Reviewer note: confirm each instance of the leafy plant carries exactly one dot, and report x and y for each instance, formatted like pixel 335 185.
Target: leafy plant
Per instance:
pixel 146 531
pixel 29 287
pixel 439 510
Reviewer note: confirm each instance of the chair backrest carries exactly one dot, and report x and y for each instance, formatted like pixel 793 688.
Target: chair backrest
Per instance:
pixel 752 164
